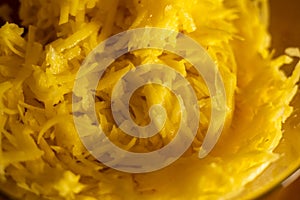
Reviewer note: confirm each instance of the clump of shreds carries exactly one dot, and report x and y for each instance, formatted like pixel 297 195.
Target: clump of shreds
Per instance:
pixel 41 155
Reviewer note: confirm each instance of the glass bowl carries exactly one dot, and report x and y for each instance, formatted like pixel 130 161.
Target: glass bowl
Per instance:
pixel 285 30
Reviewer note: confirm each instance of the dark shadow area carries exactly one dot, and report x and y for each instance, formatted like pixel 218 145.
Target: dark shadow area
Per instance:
pixel 14 14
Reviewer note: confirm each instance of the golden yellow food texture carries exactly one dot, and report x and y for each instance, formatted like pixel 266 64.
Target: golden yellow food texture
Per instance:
pixel 41 155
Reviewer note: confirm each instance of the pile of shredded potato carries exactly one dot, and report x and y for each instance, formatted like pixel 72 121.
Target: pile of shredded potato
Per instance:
pixel 41 155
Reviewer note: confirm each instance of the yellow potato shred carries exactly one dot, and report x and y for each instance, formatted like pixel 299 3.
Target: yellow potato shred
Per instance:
pixel 41 154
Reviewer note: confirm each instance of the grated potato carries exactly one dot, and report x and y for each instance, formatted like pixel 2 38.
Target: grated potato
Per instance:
pixel 41 155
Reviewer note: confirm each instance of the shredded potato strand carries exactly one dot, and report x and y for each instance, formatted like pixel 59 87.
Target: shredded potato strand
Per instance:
pixel 41 155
